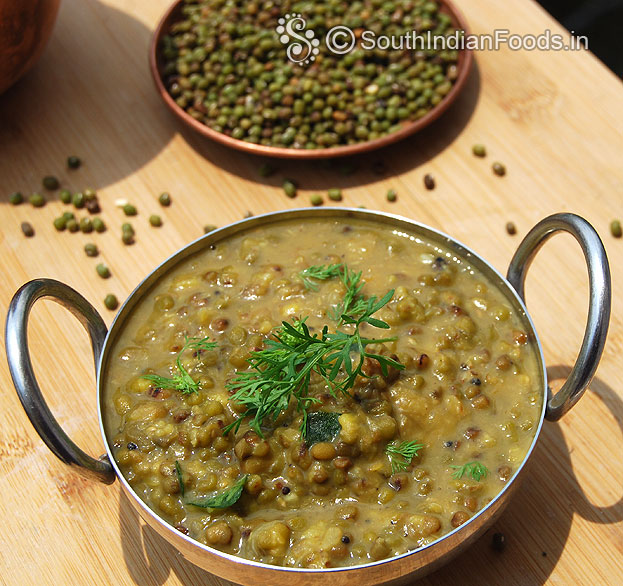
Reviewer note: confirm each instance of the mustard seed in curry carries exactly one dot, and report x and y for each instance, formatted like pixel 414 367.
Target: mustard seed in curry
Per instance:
pixel 316 394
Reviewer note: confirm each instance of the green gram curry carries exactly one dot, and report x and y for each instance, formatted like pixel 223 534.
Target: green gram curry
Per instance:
pixel 301 461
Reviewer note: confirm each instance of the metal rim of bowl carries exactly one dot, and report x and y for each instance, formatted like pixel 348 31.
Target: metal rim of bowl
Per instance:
pixel 466 254
pixel 465 62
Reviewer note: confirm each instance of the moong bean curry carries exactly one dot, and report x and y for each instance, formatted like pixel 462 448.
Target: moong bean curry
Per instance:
pixel 321 393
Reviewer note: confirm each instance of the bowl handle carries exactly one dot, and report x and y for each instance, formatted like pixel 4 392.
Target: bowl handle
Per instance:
pixel 599 304
pixel 24 378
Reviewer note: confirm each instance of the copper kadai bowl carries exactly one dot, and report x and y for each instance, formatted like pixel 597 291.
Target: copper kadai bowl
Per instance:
pixel 464 65
pixel 412 564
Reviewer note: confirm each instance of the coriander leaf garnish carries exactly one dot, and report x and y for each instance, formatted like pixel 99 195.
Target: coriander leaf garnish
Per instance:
pixel 475 469
pixel 224 499
pixel 321 273
pixel 182 382
pixel 401 455
pixel 322 426
pixel 180 479
pixel 282 370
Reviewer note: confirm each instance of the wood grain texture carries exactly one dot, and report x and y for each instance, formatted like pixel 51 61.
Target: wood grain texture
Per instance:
pixel 554 119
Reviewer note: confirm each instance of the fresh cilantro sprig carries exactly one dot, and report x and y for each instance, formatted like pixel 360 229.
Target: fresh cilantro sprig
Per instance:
pixel 282 371
pixel 401 455
pixel 182 382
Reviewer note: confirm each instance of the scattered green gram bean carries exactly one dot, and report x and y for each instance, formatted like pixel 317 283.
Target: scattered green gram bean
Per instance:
pixel 232 73
pixel 335 194
pixel 511 228
pixel 289 188
pixel 479 150
pixel 499 169
pixel 155 220
pixel 392 195
pixel 89 194
pixel 127 237
pixel 27 229
pixel 266 170
pixel 50 182
pixel 72 225
pixel 615 229
pixel 78 200
pixel 91 249
pixel 127 227
pixel 16 198
pixel 429 181
pixel 129 210
pixel 68 216
pixel 60 223
pixel 111 302
pixel 73 162
pixel 36 200
pixel 86 225
pixel 65 196
pixel 99 225
pixel 316 200
pixel 164 199
pixel 102 270
pixel 92 206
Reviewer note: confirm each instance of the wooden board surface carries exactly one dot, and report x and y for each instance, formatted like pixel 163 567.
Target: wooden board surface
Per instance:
pixel 553 118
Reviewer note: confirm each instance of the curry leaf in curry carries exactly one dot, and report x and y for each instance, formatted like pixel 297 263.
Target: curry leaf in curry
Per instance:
pixel 321 426
pixel 182 382
pixel 282 371
pixel 224 499
pixel 180 479
pixel 475 469
pixel 401 455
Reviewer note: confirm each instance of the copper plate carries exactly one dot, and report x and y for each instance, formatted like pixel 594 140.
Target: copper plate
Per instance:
pixel 464 65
